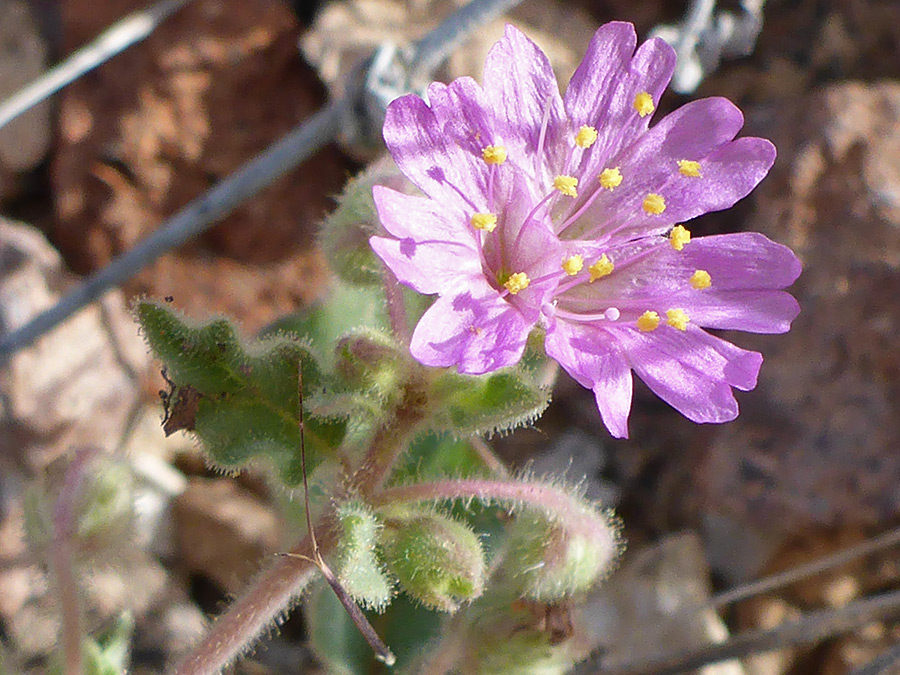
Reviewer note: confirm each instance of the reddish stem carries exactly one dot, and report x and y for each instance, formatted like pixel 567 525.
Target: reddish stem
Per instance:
pixel 546 497
pixel 64 528
pixel 270 594
pixel 391 440
pixel 396 307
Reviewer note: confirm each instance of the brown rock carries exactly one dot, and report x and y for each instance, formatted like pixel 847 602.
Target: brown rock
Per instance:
pixel 25 140
pixel 161 123
pixel 347 32
pixel 79 383
pixel 223 531
pixel 816 444
pixel 657 603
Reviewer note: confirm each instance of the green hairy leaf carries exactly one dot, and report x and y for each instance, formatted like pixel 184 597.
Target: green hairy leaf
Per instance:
pixel 502 401
pixel 240 401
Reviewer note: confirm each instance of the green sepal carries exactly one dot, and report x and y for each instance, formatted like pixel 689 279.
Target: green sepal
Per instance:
pixel 110 654
pixel 344 235
pixel 205 356
pixel 436 559
pixel 518 638
pixel 357 567
pixel 476 404
pixel 555 557
pixel 344 309
pixel 436 456
pixel 241 402
pixel 373 368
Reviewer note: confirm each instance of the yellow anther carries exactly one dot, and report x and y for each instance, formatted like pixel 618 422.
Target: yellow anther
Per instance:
pixel 517 282
pixel 573 265
pixel 601 268
pixel 585 137
pixel 679 236
pixel 677 318
pixel 494 154
pixel 700 279
pixel 643 103
pixel 566 185
pixel 610 178
pixel 688 167
pixel 484 221
pixel 654 204
pixel 648 321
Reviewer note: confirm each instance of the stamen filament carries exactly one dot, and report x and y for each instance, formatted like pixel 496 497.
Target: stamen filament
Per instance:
pixel 583 318
pixel 545 122
pixel 492 170
pixel 575 216
pixel 530 218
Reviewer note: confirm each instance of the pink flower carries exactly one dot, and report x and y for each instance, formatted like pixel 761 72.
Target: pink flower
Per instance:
pixel 567 213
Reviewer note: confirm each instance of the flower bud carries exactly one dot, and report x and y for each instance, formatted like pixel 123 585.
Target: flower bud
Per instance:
pixel 87 503
pixel 553 559
pixel 106 504
pixel 357 568
pixel 372 361
pixel 437 560
pixel 345 233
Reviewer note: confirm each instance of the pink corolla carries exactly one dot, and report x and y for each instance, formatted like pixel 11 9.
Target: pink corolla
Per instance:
pixel 567 212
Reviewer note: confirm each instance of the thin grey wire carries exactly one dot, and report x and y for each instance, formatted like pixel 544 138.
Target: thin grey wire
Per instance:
pixel 244 183
pixel 190 221
pixel 886 663
pixel 808 629
pixel 432 49
pixel 891 538
pixel 115 39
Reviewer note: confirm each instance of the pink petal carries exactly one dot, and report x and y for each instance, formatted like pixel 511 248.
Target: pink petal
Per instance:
pixel 589 95
pixel 691 370
pixel 430 260
pixel 591 356
pixel 405 216
pixel 434 267
pixel 464 114
pixel 746 269
pixel 700 131
pixel 750 311
pixel 433 161
pixel 522 88
pixel 729 174
pixel 610 74
pixel 475 330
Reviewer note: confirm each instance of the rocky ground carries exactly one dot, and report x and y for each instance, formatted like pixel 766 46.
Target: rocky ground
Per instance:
pixel 810 467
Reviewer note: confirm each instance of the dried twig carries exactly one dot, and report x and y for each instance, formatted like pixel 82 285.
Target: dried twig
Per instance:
pixel 808 629
pixel 795 574
pixel 886 663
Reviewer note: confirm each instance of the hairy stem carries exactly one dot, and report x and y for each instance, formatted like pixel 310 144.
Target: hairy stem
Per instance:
pixel 64 528
pixel 270 594
pixel 396 308
pixel 547 497
pixel 391 440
